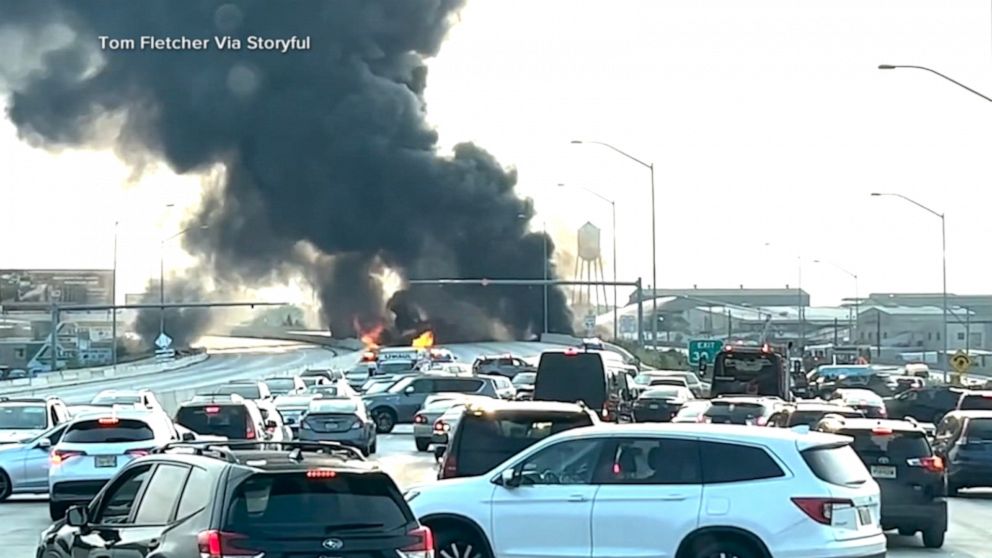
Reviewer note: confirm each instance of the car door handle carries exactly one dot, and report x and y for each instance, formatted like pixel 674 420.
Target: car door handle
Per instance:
pixel 577 498
pixel 673 497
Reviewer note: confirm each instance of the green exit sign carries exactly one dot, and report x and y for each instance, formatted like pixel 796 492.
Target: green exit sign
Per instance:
pixel 704 349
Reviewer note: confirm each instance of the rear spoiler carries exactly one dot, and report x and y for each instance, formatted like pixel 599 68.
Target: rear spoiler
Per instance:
pixel 822 440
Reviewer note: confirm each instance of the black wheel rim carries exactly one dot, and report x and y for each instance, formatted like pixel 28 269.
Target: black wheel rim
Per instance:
pixel 4 486
pixel 385 422
pixel 460 549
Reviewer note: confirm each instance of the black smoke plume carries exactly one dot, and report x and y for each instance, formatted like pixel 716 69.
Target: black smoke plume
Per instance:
pixel 183 325
pixel 330 166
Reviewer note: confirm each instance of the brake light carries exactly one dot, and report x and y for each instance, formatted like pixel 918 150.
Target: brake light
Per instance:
pixel 138 452
pixel 321 474
pixel 419 419
pixel 765 348
pixel 249 429
pixel 931 464
pixel 423 547
pixel 440 426
pixel 218 544
pixel 881 431
pixel 212 410
pixel 450 467
pixel 729 348
pixel 987 395
pixel 107 421
pixel 761 421
pixel 703 419
pixel 820 510
pixel 61 456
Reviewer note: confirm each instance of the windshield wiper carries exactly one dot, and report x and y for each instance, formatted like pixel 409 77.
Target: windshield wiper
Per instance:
pixel 352 526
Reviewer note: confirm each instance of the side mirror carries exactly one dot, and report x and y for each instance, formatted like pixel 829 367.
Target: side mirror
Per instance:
pixel 44 444
pixel 77 516
pixel 439 452
pixel 188 437
pixel 510 478
pixel 409 390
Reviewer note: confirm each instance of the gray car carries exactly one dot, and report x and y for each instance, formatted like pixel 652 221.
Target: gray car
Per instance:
pixel 24 466
pixel 434 407
pixel 400 403
pixel 344 421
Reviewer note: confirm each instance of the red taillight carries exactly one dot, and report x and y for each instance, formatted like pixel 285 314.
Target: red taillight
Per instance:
pixel 419 419
pixel 423 547
pixel 107 421
pixel 138 452
pixel 881 431
pixel 931 464
pixel 60 456
pixel 440 426
pixel 571 351
pixel 450 467
pixel 249 429
pixel 218 544
pixel 761 421
pixel 820 510
pixel 321 474
pixel 212 410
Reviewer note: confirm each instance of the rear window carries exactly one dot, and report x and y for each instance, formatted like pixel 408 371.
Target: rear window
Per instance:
pixel 662 393
pixel 897 446
pixel 979 429
pixel 229 421
pixel 810 418
pixel 248 391
pixel 488 439
pixel 280 385
pixel 396 367
pixel 736 412
pixel 292 502
pixel 524 378
pixel 111 400
pixel 99 431
pixel 23 417
pixel 837 465
pixel 570 378
pixel 976 402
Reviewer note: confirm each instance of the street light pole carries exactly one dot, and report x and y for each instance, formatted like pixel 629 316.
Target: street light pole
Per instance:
pixel 613 209
pixel 113 298
pixel 857 296
pixel 654 237
pixel 936 73
pixel 943 259
pixel 544 226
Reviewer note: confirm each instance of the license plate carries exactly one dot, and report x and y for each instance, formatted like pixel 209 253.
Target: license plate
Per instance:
pixel 652 406
pixel 106 461
pixel 330 425
pixel 864 514
pixel 883 471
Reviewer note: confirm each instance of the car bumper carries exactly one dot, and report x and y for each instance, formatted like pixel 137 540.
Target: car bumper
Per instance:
pixel 868 547
pixel 423 430
pixel 915 516
pixel 439 439
pixel 359 439
pixel 78 491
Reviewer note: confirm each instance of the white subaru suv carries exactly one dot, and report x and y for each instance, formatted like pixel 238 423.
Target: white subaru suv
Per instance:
pixel 663 490
pixel 95 446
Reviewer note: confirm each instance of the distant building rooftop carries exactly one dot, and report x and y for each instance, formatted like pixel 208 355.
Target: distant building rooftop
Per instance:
pixel 739 296
pixel 923 311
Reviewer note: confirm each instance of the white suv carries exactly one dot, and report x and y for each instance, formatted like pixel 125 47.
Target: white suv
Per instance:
pixel 95 446
pixel 665 490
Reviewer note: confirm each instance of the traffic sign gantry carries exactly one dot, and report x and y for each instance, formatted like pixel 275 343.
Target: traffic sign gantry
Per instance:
pixel 961 362
pixel 704 349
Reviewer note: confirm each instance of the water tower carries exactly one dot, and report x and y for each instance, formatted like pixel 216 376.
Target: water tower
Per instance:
pixel 589 267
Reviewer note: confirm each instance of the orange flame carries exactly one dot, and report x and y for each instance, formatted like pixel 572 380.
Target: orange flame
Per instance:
pixel 424 341
pixel 369 338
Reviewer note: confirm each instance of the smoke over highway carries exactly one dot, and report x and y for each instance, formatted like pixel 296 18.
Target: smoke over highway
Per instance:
pixel 182 324
pixel 330 168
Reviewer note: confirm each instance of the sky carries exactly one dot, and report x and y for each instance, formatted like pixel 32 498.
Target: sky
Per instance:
pixel 767 121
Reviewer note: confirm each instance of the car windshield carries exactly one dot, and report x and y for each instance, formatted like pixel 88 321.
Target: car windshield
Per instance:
pixel 248 391
pixel 488 439
pixel 334 406
pixel 287 503
pixel 525 379
pixel 810 417
pixel 325 390
pixel 228 421
pixel 977 402
pixel 735 412
pixel 395 367
pixel 23 417
pixel 107 431
pixel 645 379
pixel 280 386
pixel 111 399
pixel 378 387
pixel 980 429
pixel 894 445
pixel 663 393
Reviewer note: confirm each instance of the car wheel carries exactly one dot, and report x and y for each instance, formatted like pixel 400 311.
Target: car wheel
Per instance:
pixel 6 487
pixel 460 543
pixel 423 444
pixel 720 547
pixel 385 420
pixel 56 510
pixel 933 538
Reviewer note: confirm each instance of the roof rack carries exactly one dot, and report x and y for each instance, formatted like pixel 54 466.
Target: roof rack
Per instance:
pixel 225 449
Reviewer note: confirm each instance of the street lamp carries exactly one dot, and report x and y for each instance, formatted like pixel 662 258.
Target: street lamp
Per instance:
pixel 161 273
pixel 654 237
pixel 857 297
pixel 544 230
pixel 936 73
pixel 943 257
pixel 613 208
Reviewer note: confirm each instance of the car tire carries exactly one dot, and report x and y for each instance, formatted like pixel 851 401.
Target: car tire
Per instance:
pixel 385 420
pixel 933 537
pixel 423 444
pixel 718 547
pixel 459 543
pixel 6 487
pixel 56 510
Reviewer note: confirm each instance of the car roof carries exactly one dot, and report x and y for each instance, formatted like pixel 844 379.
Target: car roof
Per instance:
pixel 818 406
pixel 297 458
pixel 734 400
pixel 970 414
pixel 978 392
pixel 869 424
pixel 491 405
pixel 730 433
pixel 125 413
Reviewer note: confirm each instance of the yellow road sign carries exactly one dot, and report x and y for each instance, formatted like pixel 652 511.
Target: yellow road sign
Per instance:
pixel 961 362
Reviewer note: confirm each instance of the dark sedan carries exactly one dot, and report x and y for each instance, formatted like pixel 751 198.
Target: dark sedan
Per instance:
pixel 660 404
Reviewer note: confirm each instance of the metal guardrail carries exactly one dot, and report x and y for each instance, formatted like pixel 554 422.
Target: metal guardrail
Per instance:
pixel 88 375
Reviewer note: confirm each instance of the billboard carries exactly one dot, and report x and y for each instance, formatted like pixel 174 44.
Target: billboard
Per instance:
pixel 37 289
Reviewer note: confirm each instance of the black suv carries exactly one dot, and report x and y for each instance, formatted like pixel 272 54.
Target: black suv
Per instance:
pixel 927 404
pixel 908 473
pixel 210 500
pixel 489 433
pixel 572 375
pixel 224 415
